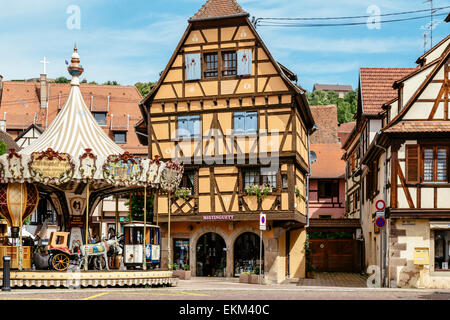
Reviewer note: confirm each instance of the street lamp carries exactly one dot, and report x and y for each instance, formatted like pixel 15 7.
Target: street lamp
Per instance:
pixel 23 113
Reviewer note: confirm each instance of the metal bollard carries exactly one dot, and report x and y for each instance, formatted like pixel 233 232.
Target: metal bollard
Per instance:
pixel 6 276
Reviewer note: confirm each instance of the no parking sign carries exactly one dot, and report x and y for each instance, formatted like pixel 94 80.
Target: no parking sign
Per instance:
pixel 262 221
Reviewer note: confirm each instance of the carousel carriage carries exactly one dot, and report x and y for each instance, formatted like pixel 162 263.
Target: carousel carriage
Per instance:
pixel 134 242
pixel 58 257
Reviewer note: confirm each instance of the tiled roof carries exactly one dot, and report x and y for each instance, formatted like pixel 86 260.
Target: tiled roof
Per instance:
pixel 9 141
pixel 218 8
pixel 332 87
pixel 123 102
pixel 376 86
pixel 346 127
pixel 326 119
pixel 329 163
pixel 343 223
pixel 420 126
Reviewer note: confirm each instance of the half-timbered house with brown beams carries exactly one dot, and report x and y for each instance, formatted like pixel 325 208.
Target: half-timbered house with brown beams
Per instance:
pixel 407 165
pixel 235 118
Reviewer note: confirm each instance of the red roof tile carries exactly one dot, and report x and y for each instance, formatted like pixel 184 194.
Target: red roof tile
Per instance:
pixel 326 119
pixel 376 86
pixel 123 102
pixel 346 127
pixel 420 126
pixel 329 162
pixel 218 8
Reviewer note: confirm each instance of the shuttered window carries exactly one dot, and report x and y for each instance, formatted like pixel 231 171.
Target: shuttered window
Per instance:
pixel 412 164
pixel 193 66
pixel 189 127
pixel 245 122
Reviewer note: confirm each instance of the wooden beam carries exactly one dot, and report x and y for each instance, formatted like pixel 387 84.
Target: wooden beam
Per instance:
pixel 405 188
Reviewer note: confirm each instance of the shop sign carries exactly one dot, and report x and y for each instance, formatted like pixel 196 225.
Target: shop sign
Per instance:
pixel 123 168
pixel 124 219
pixel 51 165
pixel 76 222
pixel 181 243
pixel 222 217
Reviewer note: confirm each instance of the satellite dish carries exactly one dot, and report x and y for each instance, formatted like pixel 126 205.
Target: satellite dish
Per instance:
pixel 312 156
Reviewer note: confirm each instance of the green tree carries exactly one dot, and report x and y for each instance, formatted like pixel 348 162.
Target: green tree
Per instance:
pixel 92 82
pixel 137 207
pixel 62 80
pixel 346 107
pixel 2 147
pixel 144 87
pixel 111 83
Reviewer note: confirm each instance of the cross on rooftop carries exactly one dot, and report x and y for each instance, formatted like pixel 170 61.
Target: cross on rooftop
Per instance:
pixel 44 62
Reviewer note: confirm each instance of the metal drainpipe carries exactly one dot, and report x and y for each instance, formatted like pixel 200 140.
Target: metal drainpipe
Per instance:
pixel 384 256
pixel 309 174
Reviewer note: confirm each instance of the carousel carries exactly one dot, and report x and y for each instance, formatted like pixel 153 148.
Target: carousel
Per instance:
pixel 75 165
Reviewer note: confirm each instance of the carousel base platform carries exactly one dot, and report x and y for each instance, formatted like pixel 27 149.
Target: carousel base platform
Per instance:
pixel 73 280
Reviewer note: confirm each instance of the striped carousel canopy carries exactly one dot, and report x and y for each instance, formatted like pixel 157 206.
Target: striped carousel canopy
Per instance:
pixel 75 149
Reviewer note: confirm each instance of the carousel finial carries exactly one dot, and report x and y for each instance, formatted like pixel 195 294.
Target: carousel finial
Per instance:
pixel 75 69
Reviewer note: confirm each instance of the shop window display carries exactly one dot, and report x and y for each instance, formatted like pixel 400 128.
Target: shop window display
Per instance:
pixel 246 254
pixel 441 250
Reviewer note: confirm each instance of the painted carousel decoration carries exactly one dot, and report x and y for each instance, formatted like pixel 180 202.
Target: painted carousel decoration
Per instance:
pixel 75 159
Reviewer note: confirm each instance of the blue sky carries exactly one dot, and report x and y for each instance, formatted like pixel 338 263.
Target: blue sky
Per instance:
pixel 131 41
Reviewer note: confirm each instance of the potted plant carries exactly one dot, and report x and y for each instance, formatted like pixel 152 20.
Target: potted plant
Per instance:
pixel 183 274
pixel 309 266
pixel 254 276
pixel 244 277
pixel 183 193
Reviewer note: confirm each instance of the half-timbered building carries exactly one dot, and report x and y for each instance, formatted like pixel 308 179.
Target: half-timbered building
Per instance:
pixel 406 165
pixel 233 115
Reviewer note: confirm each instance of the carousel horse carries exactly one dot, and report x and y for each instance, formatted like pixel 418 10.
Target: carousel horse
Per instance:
pixel 98 249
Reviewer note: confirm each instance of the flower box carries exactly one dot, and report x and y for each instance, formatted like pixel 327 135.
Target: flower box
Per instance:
pixel 182 274
pixel 244 278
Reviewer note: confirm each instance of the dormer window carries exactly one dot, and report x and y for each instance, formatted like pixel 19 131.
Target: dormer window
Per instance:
pixel 211 65
pixel 100 117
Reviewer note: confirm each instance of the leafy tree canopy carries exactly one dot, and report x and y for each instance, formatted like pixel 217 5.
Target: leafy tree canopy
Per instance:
pixel 111 83
pixel 346 107
pixel 137 208
pixel 2 147
pixel 144 87
pixel 62 80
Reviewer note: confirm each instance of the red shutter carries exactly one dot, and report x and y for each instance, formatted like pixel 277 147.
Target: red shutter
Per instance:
pixel 412 163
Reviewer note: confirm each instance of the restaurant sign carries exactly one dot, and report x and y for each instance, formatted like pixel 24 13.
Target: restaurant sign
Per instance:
pixel 50 165
pixel 219 218
pixel 122 169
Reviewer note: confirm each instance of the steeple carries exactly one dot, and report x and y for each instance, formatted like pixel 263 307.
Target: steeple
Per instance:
pixel 75 68
pixel 217 9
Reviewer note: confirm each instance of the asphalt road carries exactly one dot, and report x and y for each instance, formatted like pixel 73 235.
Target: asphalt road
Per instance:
pixel 265 293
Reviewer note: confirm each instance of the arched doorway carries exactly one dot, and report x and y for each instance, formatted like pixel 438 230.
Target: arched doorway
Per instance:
pixel 211 256
pixel 246 253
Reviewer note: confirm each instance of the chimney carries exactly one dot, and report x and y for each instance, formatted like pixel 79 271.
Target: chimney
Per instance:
pixel 43 81
pixel 1 88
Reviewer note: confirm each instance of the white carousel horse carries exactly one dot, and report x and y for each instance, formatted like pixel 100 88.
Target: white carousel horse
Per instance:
pixel 98 249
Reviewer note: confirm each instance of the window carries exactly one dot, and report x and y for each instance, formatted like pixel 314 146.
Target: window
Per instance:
pixel 259 177
pixel 284 179
pixel 211 65
pixel 328 189
pixel 427 163
pixel 100 117
pixel 188 180
pixel 435 164
pixel 189 127
pixel 120 137
pixel 229 64
pixel 441 249
pixel 245 123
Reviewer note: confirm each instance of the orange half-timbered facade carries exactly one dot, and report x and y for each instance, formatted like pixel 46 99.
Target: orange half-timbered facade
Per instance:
pixel 407 165
pixel 235 118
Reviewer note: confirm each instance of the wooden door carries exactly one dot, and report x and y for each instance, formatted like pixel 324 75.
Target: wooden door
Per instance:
pixel 336 255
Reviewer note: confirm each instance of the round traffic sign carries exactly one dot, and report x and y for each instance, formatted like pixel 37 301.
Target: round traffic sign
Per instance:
pixel 380 222
pixel 380 205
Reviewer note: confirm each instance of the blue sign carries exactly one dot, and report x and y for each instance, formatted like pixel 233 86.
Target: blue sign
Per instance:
pixel 380 222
